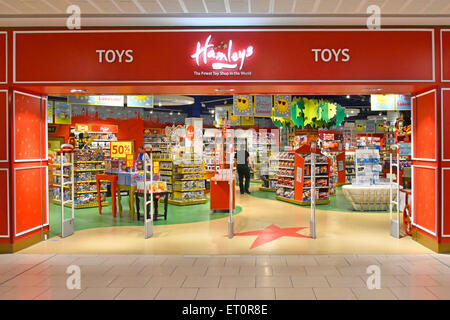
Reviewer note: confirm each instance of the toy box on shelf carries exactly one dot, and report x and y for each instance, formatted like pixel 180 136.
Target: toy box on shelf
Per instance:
pixel 350 166
pixel 188 182
pixel 269 181
pixel 87 163
pixel 368 166
pixel 294 177
pixel 166 168
pixel 159 143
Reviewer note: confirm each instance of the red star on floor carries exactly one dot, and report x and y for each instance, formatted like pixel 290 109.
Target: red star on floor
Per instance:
pixel 271 233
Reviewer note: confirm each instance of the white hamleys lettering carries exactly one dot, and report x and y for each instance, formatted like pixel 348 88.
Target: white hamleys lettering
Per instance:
pixel 219 60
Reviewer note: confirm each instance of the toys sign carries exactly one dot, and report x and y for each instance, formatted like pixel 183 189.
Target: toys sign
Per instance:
pixel 120 149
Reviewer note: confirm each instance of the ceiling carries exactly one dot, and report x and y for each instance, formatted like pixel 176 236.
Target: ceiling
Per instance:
pixel 15 13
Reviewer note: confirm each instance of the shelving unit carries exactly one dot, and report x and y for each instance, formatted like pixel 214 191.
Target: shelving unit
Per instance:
pixel 296 187
pixel 87 163
pixel 157 142
pixel 350 166
pixel 188 182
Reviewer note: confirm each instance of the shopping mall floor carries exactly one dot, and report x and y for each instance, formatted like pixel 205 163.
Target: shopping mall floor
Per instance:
pixel 192 258
pixel 263 225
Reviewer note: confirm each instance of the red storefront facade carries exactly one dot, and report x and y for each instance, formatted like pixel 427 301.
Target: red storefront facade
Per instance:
pixel 36 63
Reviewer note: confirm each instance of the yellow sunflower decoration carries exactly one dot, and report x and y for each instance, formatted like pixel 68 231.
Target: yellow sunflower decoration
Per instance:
pixel 282 105
pixel 242 105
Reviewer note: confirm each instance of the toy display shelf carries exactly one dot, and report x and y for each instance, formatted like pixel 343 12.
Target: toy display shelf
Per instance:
pixel 168 172
pixel 297 192
pixel 179 177
pixel 81 206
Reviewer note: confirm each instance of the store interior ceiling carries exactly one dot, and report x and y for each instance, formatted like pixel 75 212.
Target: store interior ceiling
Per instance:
pixel 114 13
pixel 358 104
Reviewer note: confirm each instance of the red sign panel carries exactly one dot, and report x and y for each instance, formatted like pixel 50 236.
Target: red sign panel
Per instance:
pixel 190 132
pixel 445 55
pixel 252 55
pixel 3 57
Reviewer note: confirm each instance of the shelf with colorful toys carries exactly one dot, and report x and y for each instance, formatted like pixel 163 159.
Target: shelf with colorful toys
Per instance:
pixel 188 182
pixel 294 177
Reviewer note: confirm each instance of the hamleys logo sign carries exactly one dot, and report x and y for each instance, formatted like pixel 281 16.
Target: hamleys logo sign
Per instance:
pixel 222 56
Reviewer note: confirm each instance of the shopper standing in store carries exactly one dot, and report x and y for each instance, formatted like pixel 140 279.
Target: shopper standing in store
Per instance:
pixel 243 164
pixel 143 155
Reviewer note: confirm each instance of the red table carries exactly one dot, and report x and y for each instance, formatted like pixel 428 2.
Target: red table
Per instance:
pixel 113 179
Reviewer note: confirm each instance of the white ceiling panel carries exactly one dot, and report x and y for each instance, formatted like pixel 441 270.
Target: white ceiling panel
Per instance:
pixel 171 6
pixel 106 6
pixel 194 6
pixel 327 6
pixel 393 6
pixel 239 6
pixel 283 6
pixel 151 6
pixel 259 6
pixel 215 6
pixel 304 6
pixel 416 6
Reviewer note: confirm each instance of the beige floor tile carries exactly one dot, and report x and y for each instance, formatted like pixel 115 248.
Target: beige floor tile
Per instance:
pixel 413 293
pixel 129 282
pixel 223 271
pixel 386 281
pixel 175 281
pixel 202 282
pixel 60 260
pixel 255 294
pixel 289 271
pixel 334 294
pixel 120 260
pixel 96 281
pixel 190 271
pixel 421 269
pixel 99 294
pixel 271 261
pixel 375 294
pixel 362 270
pixel 273 282
pixel 321 271
pixel 210 261
pixel 59 294
pixel 157 270
pixel 294 294
pixel 309 282
pixel 179 261
pixel 417 280
pixel 14 269
pixel 356 260
pixel 137 294
pixel 442 279
pixel 177 294
pixel 216 294
pixel 442 268
pixel 54 281
pixel 31 258
pixel 149 261
pixel 24 281
pixel 124 270
pixel 256 271
pixel 332 261
pixel 22 293
pixel 95 270
pixel 4 289
pixel 442 293
pixel 240 261
pixel 346 281
pixel 89 260
pixel 237 282
pixel 391 259
pixel 306 260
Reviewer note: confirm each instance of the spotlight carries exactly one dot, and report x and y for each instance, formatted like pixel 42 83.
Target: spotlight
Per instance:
pixel 178 113
pixel 171 113
pixel 151 111
pixel 348 97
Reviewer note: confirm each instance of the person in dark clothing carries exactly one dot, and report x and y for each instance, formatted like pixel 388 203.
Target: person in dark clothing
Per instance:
pixel 243 163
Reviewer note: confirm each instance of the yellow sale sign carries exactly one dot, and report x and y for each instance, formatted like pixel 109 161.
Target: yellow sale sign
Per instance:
pixel 120 149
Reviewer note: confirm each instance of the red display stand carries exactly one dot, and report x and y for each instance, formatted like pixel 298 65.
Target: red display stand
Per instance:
pixel 220 195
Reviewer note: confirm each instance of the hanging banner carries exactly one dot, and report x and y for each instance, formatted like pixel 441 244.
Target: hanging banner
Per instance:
pixel 263 106
pixel 390 102
pixel 221 115
pixel 282 106
pixel 129 160
pixel 63 113
pixel 119 149
pixel 360 126
pixel 379 127
pixel 110 101
pixel 247 121
pixel 233 120
pixel 370 126
pixel 242 105
pixel 50 107
pixel 403 102
pixel 140 101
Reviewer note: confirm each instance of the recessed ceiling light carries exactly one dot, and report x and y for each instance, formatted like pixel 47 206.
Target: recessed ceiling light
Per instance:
pixel 171 113
pixel 178 113
pixel 225 90
pixel 77 90
pixel 151 111
pixel 348 97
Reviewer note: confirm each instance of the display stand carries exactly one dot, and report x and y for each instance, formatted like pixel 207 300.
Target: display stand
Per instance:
pixel 148 219
pixel 395 223
pixel 294 184
pixel 189 183
pixel 67 225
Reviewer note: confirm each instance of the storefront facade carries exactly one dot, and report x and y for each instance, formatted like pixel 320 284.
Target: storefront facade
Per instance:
pixel 38 63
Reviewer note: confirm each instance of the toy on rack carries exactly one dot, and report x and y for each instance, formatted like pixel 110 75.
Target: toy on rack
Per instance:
pixel 402 132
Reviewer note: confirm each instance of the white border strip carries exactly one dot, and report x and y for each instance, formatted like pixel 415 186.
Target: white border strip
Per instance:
pixel 436 126
pixel 442 204
pixel 15 199
pixel 8 206
pixel 442 124
pixel 7 127
pixel 6 57
pixel 14 127
pixel 436 196
pixel 433 49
